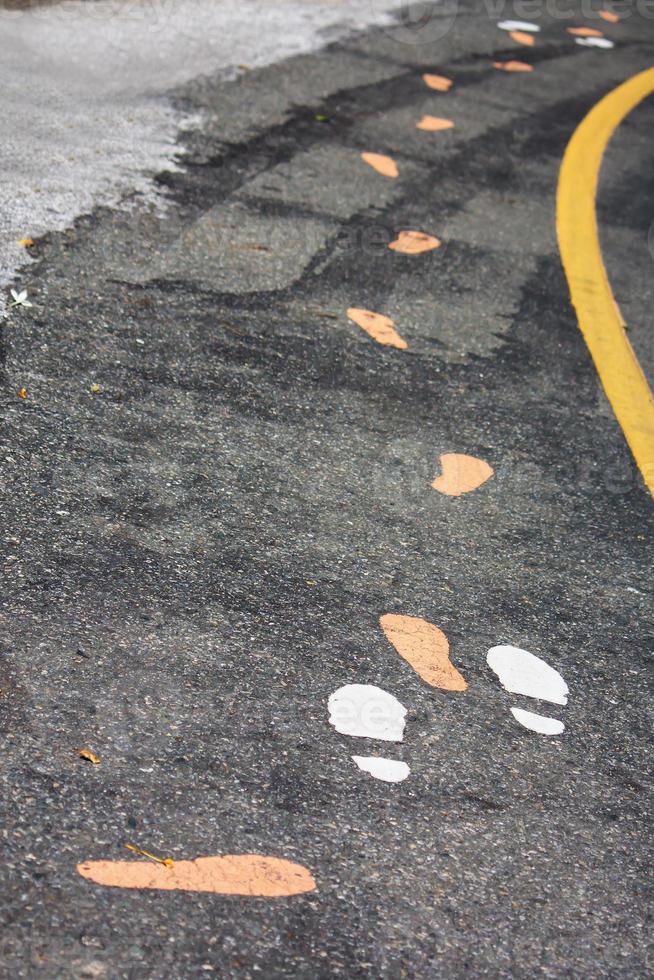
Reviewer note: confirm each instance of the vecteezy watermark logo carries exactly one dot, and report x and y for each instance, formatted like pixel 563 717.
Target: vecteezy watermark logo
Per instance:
pixel 418 22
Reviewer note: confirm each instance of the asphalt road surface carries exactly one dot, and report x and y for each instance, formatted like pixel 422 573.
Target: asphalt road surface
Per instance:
pixel 215 483
pixel 86 109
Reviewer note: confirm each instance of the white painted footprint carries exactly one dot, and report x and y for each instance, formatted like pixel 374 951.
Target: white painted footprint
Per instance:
pixel 388 770
pixel 520 672
pixel 367 711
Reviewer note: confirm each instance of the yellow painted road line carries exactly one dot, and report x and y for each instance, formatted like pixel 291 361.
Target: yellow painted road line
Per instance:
pixel 600 320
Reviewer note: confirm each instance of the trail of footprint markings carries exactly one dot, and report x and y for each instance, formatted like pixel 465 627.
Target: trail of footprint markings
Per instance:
pixel 367 711
pixel 522 32
pixel 435 124
pixel 378 326
pixel 362 710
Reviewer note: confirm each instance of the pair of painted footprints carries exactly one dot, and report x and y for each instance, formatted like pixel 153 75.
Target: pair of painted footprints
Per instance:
pixel 367 711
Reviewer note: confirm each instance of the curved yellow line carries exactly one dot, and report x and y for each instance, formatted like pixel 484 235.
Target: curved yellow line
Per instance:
pixel 598 313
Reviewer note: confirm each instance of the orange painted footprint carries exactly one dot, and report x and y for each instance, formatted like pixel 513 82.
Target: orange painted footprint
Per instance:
pixel 522 37
pixel 384 165
pixel 414 243
pixel 438 83
pixel 584 32
pixel 461 474
pixel 252 875
pixel 517 66
pixel 434 124
pixel 426 648
pixel 381 328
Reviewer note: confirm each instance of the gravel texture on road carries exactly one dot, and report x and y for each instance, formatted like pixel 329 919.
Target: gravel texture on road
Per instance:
pixel 218 483
pixel 86 109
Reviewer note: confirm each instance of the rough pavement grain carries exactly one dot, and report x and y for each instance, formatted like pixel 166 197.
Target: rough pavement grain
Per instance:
pixel 197 554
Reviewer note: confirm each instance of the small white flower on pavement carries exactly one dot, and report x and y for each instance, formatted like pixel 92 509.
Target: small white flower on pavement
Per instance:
pixel 20 299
